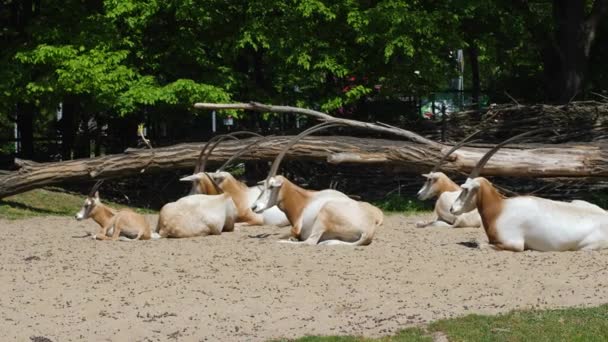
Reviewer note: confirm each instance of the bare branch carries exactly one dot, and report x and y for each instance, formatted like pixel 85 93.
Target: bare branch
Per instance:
pixel 321 116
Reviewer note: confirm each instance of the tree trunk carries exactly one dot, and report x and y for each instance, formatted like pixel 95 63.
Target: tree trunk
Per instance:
pixel 82 149
pixel 570 34
pixel 590 160
pixel 475 83
pixel 25 127
pixel 574 34
pixel 67 126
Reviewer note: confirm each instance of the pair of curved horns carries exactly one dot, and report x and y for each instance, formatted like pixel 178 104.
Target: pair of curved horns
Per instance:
pixel 95 188
pixel 203 157
pixel 242 151
pixel 454 148
pixel 482 162
pixel 277 161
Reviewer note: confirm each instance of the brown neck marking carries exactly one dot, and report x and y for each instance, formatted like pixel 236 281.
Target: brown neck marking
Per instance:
pixel 102 214
pixel 238 191
pixel 445 184
pixel 489 204
pixel 292 200
pixel 205 186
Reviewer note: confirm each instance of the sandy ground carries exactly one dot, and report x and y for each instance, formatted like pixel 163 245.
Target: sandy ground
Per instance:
pixel 244 286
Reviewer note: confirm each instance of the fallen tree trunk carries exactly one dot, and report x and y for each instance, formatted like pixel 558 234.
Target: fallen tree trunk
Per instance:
pixel 569 161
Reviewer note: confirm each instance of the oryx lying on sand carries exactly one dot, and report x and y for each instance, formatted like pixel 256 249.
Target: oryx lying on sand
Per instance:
pixel 197 215
pixel 124 224
pixel 439 185
pixel 528 222
pixel 243 196
pixel 325 217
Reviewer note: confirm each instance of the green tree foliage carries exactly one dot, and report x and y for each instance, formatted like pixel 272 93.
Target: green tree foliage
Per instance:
pixel 118 58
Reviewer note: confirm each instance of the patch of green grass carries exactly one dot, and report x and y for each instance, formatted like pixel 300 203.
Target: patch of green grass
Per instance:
pixel 409 335
pixel 44 202
pixel 572 324
pixel 400 204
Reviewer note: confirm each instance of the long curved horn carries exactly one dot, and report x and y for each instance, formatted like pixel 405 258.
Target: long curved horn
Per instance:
pixel 482 162
pixel 218 141
pixel 277 161
pixel 242 151
pixel 454 148
pixel 95 188
pixel 197 167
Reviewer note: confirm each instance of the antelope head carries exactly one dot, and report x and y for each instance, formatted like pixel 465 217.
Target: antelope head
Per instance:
pixel 433 185
pixel 467 200
pixel 273 184
pixel 90 203
pixel 436 180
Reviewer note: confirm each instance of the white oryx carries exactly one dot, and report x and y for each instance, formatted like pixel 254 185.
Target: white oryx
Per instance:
pixel 528 222
pixel 243 196
pixel 439 185
pixel 210 213
pixel 318 217
pixel 197 215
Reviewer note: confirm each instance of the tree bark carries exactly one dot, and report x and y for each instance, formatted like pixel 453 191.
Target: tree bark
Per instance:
pixel 590 160
pixel 25 127
pixel 475 82
pixel 566 50
pixel 67 126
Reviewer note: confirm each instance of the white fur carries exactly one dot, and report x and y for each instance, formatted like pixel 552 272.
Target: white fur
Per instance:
pixel 443 216
pixel 327 216
pixel 273 216
pixel 540 224
pixel 196 215
pixel 551 225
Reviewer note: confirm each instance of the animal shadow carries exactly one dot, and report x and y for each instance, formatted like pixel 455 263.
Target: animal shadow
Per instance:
pixel 470 244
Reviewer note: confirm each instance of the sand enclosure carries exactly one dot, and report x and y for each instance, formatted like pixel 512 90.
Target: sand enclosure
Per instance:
pixel 244 286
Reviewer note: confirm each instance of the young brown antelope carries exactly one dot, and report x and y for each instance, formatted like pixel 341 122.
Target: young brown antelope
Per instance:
pixel 439 185
pixel 528 222
pixel 242 195
pixel 318 217
pixel 124 224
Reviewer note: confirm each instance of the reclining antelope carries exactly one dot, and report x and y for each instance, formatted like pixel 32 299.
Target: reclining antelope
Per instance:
pixel 196 215
pixel 325 217
pixel 439 185
pixel 527 222
pixel 221 181
pixel 124 224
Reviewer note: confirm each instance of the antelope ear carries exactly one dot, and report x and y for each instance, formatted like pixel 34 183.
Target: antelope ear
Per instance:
pixel 96 194
pixel 426 175
pixel 261 182
pixel 192 178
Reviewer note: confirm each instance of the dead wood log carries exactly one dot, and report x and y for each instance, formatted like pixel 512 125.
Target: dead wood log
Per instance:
pixel 590 160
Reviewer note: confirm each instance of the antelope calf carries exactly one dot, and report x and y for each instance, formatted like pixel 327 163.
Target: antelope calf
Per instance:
pixel 439 185
pixel 326 217
pixel 124 224
pixel 528 222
